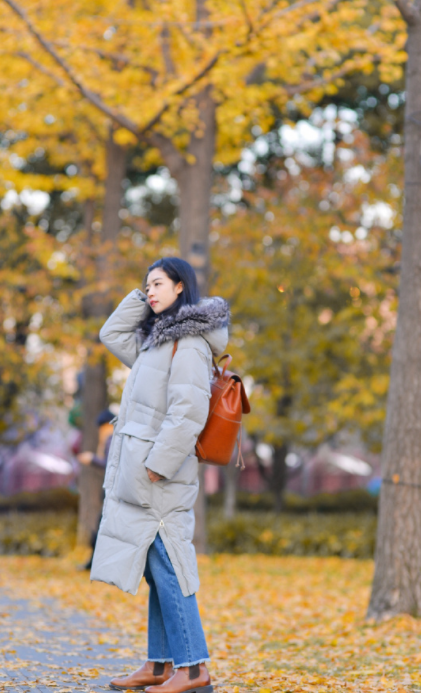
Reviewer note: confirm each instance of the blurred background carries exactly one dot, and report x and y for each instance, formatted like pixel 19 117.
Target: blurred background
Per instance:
pixel 262 142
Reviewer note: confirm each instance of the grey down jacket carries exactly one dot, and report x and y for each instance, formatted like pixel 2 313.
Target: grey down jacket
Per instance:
pixel 164 408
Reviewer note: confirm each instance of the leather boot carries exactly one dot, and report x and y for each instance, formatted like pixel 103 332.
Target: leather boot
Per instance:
pixel 151 673
pixel 194 679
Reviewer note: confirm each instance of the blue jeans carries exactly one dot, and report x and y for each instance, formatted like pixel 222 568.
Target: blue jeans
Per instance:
pixel 175 632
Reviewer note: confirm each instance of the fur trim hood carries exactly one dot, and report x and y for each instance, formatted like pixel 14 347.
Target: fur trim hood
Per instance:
pixel 211 313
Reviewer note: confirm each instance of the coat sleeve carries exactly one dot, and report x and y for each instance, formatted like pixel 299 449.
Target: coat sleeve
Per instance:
pixel 187 412
pixel 118 333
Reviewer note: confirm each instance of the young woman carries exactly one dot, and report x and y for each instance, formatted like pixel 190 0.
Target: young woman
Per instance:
pixel 151 481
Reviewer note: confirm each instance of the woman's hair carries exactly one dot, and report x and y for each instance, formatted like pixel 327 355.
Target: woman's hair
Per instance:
pixel 177 270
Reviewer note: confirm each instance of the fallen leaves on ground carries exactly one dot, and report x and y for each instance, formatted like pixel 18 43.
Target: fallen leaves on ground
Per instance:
pixel 273 623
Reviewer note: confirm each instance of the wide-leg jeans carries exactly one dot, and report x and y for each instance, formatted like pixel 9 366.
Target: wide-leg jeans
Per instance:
pixel 175 630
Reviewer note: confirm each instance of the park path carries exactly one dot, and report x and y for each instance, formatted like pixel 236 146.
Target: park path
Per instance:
pixel 45 647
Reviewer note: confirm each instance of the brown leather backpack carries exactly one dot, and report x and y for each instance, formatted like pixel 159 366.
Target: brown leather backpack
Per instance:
pixel 216 443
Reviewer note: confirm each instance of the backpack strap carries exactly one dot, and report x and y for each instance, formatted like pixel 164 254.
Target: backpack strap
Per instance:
pixel 240 454
pixel 228 359
pixel 215 365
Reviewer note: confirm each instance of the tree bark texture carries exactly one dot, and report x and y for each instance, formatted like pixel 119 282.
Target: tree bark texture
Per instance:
pixel 397 579
pixel 88 218
pixel 91 479
pixel 116 163
pixel 195 184
pixel 279 475
pixel 94 400
pixel 231 475
pixel 96 304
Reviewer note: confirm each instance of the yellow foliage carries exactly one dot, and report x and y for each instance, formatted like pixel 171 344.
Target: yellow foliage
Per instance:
pixel 124 137
pixel 146 64
pixel 313 317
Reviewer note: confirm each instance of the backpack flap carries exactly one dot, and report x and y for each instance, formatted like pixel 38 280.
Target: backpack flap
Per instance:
pixel 244 399
pixel 225 374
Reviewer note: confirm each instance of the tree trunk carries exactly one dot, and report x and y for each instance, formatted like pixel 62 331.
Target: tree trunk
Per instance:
pixel 231 474
pixel 90 482
pixel 279 475
pixel 195 183
pixel 397 580
pixel 94 398
pixel 97 305
pixel 88 218
pixel 116 171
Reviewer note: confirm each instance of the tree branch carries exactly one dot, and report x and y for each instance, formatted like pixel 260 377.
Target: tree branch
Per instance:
pixel 118 59
pixel 408 11
pixel 212 62
pixel 166 51
pixel 143 132
pixel 321 81
pixel 172 156
pixel 285 10
pixel 296 6
pixel 94 98
pixel 61 83
pixel 247 17
pixel 107 55
pixel 207 68
pixel 40 67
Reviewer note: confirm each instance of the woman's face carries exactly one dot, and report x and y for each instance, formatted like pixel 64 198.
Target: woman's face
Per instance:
pixel 161 290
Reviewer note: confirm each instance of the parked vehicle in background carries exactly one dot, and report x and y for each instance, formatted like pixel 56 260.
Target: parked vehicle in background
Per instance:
pixel 331 470
pixel 327 470
pixel 38 459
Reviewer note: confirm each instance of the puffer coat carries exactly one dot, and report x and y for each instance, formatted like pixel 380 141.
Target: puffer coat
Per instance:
pixel 164 408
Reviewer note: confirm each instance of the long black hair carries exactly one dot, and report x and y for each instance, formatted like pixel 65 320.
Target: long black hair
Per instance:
pixel 177 270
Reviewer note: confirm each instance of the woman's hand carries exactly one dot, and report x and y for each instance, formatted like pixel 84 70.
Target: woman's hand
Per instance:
pixel 153 476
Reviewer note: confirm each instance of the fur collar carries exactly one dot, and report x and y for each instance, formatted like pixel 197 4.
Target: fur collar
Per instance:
pixel 209 314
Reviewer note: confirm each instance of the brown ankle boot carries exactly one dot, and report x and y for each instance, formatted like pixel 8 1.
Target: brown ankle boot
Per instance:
pixel 151 673
pixel 194 679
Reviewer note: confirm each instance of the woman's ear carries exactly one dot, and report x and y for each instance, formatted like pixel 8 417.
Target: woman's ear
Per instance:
pixel 179 288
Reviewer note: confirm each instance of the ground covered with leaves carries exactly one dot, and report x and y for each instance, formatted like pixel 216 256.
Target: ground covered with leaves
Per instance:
pixel 273 623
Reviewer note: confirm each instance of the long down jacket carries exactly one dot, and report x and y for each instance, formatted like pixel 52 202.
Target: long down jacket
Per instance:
pixel 164 408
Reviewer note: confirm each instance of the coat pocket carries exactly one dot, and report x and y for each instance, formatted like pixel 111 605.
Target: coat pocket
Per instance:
pixel 133 484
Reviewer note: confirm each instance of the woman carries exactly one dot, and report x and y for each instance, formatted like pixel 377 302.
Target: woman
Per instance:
pixel 151 481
